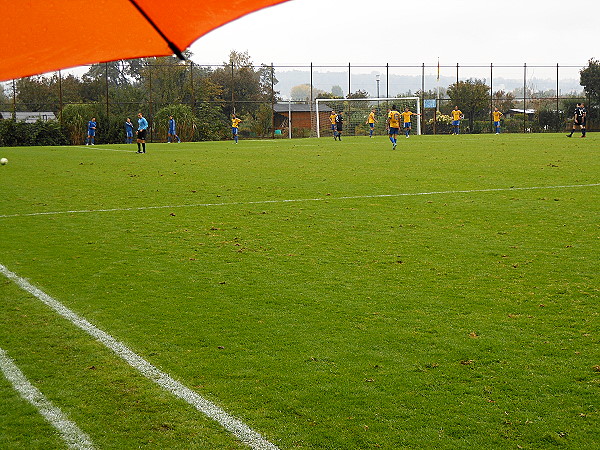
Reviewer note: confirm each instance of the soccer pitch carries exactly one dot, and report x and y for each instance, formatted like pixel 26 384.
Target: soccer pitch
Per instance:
pixel 326 295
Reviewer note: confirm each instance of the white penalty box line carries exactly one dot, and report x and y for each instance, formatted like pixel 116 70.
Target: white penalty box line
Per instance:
pixel 69 431
pixel 299 200
pixel 235 426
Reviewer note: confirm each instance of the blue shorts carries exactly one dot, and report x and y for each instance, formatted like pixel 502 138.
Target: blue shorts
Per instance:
pixel 406 124
pixel 394 130
pixel 91 132
pixel 129 133
pixel 497 124
pixel 172 131
pixel 372 125
pixel 333 126
pixel 456 123
pixel 234 130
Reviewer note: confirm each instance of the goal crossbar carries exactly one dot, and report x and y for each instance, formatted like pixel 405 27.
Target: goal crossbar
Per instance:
pixel 373 102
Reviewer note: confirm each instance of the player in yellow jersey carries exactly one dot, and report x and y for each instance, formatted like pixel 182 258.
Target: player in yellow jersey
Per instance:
pixel 332 118
pixel 406 115
pixel 393 125
pixel 497 115
pixel 234 127
pixel 457 116
pixel 371 122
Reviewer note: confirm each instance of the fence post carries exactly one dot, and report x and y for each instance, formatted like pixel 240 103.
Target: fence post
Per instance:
pixel 387 80
pixel 14 111
pixel 106 76
pixel 524 97
pixel 60 99
pixel 422 119
pixel 290 118
pixel 557 96
pixel 491 96
pixel 272 101
pixel 311 98
pixel 151 114
pixel 232 89
pixel 192 86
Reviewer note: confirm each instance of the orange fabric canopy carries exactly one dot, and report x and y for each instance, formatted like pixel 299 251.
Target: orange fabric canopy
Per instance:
pixel 38 36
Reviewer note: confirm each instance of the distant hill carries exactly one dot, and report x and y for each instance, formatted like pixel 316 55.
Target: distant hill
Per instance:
pixel 403 84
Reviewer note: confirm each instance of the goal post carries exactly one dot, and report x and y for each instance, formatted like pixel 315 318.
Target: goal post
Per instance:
pixel 356 111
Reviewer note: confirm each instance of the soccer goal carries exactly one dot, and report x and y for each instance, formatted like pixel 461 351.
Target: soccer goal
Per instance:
pixel 355 112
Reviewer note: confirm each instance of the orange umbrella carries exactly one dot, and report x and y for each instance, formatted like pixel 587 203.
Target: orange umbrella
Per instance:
pixel 39 36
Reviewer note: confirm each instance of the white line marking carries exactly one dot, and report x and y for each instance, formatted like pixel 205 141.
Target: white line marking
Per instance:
pixel 317 199
pixel 70 432
pixel 239 429
pixel 95 147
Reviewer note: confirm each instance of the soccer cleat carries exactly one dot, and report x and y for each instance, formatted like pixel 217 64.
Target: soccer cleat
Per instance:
pixel 569 135
pixel 394 146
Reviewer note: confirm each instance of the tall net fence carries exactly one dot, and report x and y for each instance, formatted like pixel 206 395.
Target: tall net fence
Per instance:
pixel 279 101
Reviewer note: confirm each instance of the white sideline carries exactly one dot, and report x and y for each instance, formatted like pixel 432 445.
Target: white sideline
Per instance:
pixel 317 199
pixel 239 429
pixel 70 432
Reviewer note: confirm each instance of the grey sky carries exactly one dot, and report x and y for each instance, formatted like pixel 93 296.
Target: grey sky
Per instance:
pixel 506 32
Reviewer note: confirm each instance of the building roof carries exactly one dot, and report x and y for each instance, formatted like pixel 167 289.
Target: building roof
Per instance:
pixel 28 116
pixel 283 107
pixel 521 111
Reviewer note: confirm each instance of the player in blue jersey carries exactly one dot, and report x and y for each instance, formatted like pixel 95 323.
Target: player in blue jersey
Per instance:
pixel 172 132
pixel 128 131
pixel 141 133
pixel 91 133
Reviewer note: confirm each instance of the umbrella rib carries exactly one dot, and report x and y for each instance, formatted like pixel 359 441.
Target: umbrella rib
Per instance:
pixel 171 45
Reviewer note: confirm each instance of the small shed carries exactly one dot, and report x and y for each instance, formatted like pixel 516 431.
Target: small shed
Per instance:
pixel 303 115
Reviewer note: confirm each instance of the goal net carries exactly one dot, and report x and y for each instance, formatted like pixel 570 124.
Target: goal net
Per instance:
pixel 356 112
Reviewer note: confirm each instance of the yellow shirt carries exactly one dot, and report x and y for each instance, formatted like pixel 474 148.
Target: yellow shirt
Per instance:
pixel 456 114
pixel 332 118
pixel 406 115
pixel 235 122
pixel 371 118
pixel 394 119
pixel 497 115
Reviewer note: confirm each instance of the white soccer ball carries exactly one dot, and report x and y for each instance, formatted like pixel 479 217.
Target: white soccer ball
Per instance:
pixel 3 161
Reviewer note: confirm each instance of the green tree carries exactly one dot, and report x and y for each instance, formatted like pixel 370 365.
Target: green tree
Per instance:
pixel 589 78
pixel 185 120
pixel 472 98
pixel 76 117
pixel 36 94
pixel 337 91
pixel 244 86
pixel 504 101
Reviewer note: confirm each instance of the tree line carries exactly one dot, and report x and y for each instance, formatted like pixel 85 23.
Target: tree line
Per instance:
pixel 201 98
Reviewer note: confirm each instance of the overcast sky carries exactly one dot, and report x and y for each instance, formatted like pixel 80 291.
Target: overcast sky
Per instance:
pixel 362 32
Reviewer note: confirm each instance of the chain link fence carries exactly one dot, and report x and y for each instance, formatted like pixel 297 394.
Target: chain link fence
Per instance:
pixel 279 101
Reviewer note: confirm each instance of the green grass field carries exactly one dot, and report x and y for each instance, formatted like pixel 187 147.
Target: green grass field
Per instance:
pixel 331 295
